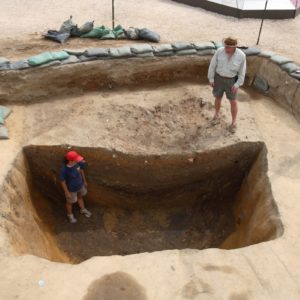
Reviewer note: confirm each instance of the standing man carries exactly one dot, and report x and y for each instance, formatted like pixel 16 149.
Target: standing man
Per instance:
pixel 226 73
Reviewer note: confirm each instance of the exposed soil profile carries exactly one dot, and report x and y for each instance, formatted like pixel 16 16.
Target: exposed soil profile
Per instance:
pixel 141 203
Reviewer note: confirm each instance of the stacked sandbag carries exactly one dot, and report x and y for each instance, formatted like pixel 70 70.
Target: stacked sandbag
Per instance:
pixel 4 64
pixel 48 57
pixel 182 48
pixel 163 50
pixel 4 113
pixel 142 50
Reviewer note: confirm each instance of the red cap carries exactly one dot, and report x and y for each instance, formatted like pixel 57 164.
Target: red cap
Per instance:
pixel 74 156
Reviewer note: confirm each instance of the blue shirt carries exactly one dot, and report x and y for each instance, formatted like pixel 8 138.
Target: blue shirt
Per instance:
pixel 72 177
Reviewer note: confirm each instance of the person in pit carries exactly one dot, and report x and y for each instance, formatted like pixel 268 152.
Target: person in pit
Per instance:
pixel 74 184
pixel 226 74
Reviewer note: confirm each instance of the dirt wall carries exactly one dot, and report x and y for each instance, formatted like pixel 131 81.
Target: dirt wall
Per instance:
pixel 256 212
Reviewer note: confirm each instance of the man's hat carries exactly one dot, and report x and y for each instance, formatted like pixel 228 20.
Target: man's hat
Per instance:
pixel 74 156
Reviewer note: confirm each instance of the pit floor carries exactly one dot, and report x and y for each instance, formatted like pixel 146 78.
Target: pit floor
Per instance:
pixel 265 271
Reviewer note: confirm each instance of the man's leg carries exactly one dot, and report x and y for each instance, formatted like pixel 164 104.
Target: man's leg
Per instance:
pixel 218 101
pixel 81 202
pixel 69 208
pixel 83 210
pixel 234 111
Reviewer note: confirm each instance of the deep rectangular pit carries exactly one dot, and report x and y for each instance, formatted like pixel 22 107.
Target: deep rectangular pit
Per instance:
pixel 219 198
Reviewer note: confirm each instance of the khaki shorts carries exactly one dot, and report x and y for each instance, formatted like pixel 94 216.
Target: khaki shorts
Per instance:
pixel 224 85
pixel 74 195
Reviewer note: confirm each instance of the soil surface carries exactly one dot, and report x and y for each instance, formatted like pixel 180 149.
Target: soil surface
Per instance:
pixel 23 24
pixel 263 271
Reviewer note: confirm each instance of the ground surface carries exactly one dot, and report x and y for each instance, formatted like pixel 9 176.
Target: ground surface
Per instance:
pixel 265 271
pixel 23 23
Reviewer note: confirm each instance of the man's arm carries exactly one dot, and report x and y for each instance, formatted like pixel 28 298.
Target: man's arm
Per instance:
pixel 241 75
pixel 65 188
pixel 83 177
pixel 212 69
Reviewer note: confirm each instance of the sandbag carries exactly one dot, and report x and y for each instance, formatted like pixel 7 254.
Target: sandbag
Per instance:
pixel 186 52
pixel 118 30
pixel 40 59
pixel 206 52
pixel 251 51
pixel 50 64
pixel 84 58
pixel 148 35
pixel 4 111
pixel 132 33
pixel 20 65
pixel 3 133
pixel 67 26
pixel 4 64
pixel 75 31
pixel 146 54
pixel 182 46
pixel 46 57
pixel 141 48
pixel 59 55
pixel 72 59
pixel 120 52
pixel 1 120
pixel 289 67
pixel 108 36
pixel 165 53
pixel 60 37
pixel 122 36
pixel 97 32
pixel 162 48
pixel 203 45
pixel 76 52
pixel 295 75
pixel 86 27
pixel 99 52
pixel 266 54
pixel 280 60
pixel 217 44
pixel 261 84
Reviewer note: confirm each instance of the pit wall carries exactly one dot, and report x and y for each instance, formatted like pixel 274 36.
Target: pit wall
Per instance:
pixel 25 231
pixel 86 71
pixel 251 208
pixel 256 214
pixel 118 179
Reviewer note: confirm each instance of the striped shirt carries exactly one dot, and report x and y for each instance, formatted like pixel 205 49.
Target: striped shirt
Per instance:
pixel 228 66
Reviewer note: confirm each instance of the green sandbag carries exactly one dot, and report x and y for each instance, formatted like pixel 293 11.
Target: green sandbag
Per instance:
pixel 97 32
pixel 1 120
pixel 118 30
pixel 40 59
pixel 59 55
pixel 109 36
pixel 4 111
pixel 46 57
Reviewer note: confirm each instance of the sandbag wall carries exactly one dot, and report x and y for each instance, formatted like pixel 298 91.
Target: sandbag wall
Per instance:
pixel 72 72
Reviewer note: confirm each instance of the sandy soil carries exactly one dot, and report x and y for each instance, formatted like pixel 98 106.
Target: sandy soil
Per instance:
pixel 170 119
pixel 263 271
pixel 23 22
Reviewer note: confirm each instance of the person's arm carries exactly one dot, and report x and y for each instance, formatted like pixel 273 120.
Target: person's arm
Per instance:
pixel 83 177
pixel 63 183
pixel 65 188
pixel 241 75
pixel 212 69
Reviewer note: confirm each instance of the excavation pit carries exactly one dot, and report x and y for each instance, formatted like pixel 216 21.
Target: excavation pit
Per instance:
pixel 218 198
